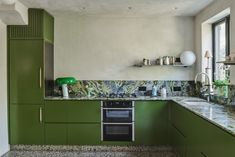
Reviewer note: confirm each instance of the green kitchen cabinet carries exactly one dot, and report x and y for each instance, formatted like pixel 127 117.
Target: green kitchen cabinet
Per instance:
pixel 28 67
pixel 72 122
pixel 29 71
pixel 26 124
pixel 152 122
pixel 84 134
pixel 26 71
pixel 40 26
pixel 202 138
pixel 56 134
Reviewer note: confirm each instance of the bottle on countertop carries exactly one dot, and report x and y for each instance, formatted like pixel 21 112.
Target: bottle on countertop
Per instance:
pixel 154 91
pixel 163 92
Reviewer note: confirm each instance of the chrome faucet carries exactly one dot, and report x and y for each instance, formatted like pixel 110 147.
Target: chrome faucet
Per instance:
pixel 209 88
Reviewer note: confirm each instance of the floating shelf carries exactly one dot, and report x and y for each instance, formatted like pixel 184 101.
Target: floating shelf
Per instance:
pixel 172 65
pixel 227 62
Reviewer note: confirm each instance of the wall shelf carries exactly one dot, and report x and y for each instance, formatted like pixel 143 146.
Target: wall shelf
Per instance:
pixel 227 62
pixel 172 65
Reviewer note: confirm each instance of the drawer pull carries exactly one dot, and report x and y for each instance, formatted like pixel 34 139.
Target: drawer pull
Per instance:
pixel 40 115
pixel 40 77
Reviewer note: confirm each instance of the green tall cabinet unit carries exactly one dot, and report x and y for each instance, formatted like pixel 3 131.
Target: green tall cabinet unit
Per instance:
pixel 27 47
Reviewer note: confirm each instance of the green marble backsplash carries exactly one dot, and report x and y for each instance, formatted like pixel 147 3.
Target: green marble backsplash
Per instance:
pixel 102 88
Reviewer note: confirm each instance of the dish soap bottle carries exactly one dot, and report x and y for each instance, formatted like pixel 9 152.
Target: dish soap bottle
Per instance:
pixel 154 91
pixel 163 92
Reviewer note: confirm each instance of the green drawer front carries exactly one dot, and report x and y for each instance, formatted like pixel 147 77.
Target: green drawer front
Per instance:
pixel 84 111
pixel 72 111
pixel 56 134
pixel 84 134
pixel 56 111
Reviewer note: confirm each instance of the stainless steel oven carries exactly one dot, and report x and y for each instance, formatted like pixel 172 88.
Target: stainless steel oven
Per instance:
pixel 117 118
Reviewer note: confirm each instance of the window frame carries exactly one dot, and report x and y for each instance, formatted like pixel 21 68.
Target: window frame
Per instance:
pixel 227 23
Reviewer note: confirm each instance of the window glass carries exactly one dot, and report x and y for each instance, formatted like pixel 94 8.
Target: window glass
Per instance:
pixel 220 48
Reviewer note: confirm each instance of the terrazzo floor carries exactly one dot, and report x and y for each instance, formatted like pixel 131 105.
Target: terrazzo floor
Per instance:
pixel 90 152
pixel 86 154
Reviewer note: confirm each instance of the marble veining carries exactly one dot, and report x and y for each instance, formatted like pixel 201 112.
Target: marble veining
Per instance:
pixel 103 88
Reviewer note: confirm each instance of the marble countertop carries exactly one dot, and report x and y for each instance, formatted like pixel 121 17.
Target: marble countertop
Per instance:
pixel 221 116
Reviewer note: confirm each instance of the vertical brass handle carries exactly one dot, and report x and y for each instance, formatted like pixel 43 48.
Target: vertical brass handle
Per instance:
pixel 40 77
pixel 40 115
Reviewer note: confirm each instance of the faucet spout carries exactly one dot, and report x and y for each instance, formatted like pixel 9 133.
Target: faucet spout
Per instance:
pixel 210 89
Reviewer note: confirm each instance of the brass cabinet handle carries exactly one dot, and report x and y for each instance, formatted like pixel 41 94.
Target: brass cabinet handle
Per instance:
pixel 40 77
pixel 40 115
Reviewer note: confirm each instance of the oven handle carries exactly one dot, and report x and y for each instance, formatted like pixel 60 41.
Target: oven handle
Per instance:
pixel 117 108
pixel 118 123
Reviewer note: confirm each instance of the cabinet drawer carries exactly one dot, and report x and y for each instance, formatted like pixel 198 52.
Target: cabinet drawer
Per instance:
pixel 84 134
pixel 56 134
pixel 72 111
pixel 84 111
pixel 56 111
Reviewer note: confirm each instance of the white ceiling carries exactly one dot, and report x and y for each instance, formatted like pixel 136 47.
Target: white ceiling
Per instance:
pixel 121 7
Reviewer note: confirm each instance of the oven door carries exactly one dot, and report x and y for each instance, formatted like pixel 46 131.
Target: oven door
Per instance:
pixel 118 132
pixel 117 115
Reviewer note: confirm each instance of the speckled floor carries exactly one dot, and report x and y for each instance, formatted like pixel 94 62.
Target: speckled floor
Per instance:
pixel 22 151
pixel 86 154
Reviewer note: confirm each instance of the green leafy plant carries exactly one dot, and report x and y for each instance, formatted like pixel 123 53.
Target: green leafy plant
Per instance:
pixel 219 83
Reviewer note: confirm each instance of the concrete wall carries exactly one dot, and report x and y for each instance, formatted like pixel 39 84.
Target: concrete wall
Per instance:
pixel 206 14
pixel 98 48
pixel 4 146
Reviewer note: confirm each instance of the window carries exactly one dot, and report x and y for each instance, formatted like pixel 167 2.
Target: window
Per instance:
pixel 221 47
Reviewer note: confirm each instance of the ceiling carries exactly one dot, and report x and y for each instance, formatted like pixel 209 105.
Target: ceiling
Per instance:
pixel 121 7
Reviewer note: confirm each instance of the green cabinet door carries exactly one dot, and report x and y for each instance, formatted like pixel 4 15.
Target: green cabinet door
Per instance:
pixel 26 124
pixel 26 71
pixel 84 134
pixel 178 141
pixel 55 134
pixel 151 122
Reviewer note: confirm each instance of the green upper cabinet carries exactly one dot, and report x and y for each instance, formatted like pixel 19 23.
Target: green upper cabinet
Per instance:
pixel 151 122
pixel 28 64
pixel 26 71
pixel 40 26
